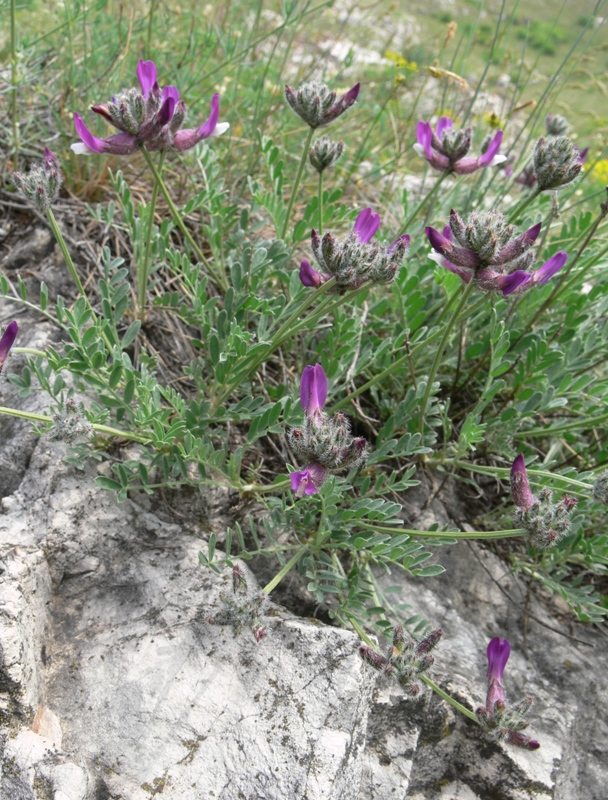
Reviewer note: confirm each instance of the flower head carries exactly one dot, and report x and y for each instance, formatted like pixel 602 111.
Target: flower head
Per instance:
pixel 545 520
pixel 324 153
pixel 356 257
pixel 150 117
pixel 42 182
pixel 316 104
pixel 7 341
pixel 323 443
pixel 486 250
pixel 498 717
pixel 446 148
pixel 556 162
pixel 406 659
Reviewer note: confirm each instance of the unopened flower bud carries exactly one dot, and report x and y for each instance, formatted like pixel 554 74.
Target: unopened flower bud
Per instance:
pixel 600 488
pixel 324 153
pixel 7 341
pixel 556 125
pixel 70 423
pixel 316 104
pixel 556 162
pixel 42 182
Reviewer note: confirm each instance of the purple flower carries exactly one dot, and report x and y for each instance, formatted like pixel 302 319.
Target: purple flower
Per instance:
pixel 313 390
pixel 7 341
pixel 582 155
pixel 366 225
pixel 309 480
pixel 488 253
pixel 446 148
pixel 520 488
pixel 149 117
pixel 499 651
pixel 356 257
pixel 310 276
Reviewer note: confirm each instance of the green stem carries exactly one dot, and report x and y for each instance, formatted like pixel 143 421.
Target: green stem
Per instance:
pixel 14 87
pixel 297 181
pixel 439 353
pixel 75 277
pixel 29 351
pixel 263 488
pixel 422 204
pixel 506 534
pixel 584 422
pixel 177 218
pixel 286 568
pixel 505 472
pixel 321 203
pixel 431 684
pixel 150 21
pixel 523 205
pixel 145 272
pixel 448 698
pixel 14 412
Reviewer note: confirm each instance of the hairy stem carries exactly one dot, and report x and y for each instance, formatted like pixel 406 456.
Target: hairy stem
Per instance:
pixel 297 181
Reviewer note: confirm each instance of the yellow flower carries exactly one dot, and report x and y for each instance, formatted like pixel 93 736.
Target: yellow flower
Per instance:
pixel 493 120
pixel 600 171
pixel 398 59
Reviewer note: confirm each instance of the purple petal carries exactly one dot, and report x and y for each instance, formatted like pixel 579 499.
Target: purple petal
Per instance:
pixel 447 232
pixel 171 91
pixel 424 135
pixel 492 150
pixel 205 131
pixel 308 275
pixel 7 341
pixel 509 171
pixel 438 242
pixel 442 125
pixel 550 267
pixel 91 141
pixel 146 72
pixel 302 483
pixel 313 389
pixel 121 144
pixel 499 651
pixel 582 155
pixel 520 488
pixel 404 238
pixel 166 111
pixel 352 94
pixel 366 225
pixel 51 160
pixel 509 283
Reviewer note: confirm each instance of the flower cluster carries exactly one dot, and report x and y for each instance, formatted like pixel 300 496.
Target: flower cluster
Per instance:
pixel 356 258
pixel 406 659
pixel 150 117
pixel 42 183
pixel 70 423
pixel 497 717
pixel 7 341
pixel 485 250
pixel 324 443
pixel 446 148
pixel 316 104
pixel 324 153
pixel 557 162
pixel 545 521
pixel 242 607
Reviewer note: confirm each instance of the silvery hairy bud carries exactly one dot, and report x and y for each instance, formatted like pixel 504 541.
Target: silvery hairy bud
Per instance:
pixel 405 659
pixel 127 110
pixel 600 488
pixel 556 162
pixel 316 104
pixel 42 182
pixel 70 423
pixel 556 125
pixel 243 608
pixel 324 153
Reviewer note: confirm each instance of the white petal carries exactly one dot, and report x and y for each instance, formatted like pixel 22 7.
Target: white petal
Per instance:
pixel 220 128
pixel 420 150
pixel 81 149
pixel 438 259
pixel 497 160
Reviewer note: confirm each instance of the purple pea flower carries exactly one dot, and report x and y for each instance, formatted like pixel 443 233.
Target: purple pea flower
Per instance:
pixel 485 251
pixel 309 480
pixel 356 257
pixel 520 488
pixel 313 390
pixel 498 717
pixel 149 117
pixel 7 341
pixel 446 148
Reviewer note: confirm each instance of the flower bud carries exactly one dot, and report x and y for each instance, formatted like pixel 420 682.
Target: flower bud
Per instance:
pixel 316 104
pixel 556 162
pixel 7 341
pixel 324 153
pixel 556 125
pixel 42 182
